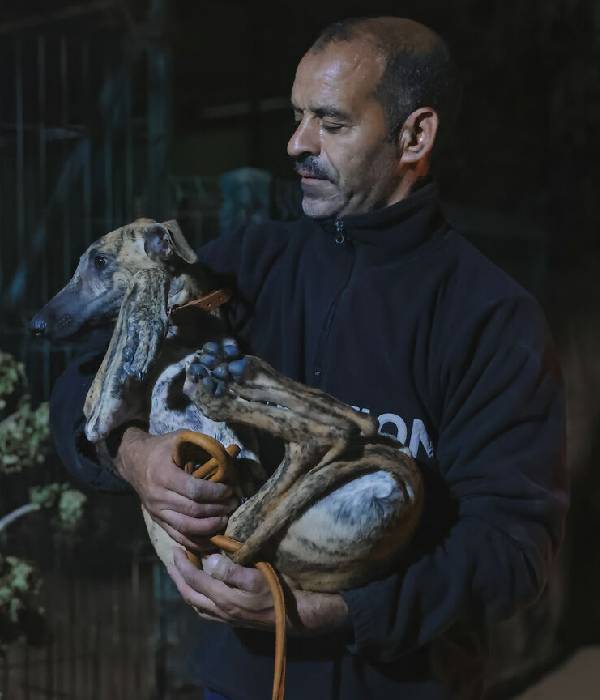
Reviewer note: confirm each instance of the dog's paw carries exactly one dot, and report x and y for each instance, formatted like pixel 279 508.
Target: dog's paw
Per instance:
pixel 217 365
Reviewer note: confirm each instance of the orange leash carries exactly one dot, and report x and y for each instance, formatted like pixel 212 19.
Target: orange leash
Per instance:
pixel 220 468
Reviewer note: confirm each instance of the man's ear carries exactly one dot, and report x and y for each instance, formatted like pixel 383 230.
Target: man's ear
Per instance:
pixel 417 136
pixel 165 241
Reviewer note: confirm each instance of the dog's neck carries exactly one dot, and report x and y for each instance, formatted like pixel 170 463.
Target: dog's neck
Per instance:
pixel 183 289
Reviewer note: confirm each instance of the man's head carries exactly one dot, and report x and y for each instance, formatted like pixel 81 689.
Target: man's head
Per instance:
pixel 368 99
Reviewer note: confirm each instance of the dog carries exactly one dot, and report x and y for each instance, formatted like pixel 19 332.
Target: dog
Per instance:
pixel 344 502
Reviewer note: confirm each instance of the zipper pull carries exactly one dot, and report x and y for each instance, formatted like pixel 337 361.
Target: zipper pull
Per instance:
pixel 340 236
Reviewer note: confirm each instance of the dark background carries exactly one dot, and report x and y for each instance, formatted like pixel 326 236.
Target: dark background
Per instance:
pixel 523 156
pixel 207 88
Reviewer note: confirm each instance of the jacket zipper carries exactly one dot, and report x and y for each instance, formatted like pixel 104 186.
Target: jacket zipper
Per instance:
pixel 339 239
pixel 340 236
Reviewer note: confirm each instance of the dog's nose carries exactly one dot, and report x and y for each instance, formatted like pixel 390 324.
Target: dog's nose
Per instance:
pixel 38 325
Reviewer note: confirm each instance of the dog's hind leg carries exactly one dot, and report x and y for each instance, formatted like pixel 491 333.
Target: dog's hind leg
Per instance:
pixel 398 508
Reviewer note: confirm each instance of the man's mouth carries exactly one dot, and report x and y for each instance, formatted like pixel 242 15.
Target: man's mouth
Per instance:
pixel 305 175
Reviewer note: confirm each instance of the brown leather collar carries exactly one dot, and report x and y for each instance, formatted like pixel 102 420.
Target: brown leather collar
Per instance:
pixel 209 302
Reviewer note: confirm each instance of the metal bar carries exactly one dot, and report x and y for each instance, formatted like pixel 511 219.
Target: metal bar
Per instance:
pixel 129 204
pixel 135 600
pixel 3 180
pixel 87 157
pixel 96 669
pixel 71 168
pixel 64 117
pixel 107 157
pixel 50 599
pixel 57 621
pixel 57 16
pixel 158 111
pixel 42 186
pixel 114 628
pixel 20 169
pixel 25 671
pixel 72 629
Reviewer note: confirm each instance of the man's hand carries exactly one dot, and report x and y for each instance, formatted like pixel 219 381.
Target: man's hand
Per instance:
pixel 240 596
pixel 190 510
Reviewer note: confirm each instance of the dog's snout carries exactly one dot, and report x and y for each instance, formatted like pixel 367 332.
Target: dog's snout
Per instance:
pixel 38 325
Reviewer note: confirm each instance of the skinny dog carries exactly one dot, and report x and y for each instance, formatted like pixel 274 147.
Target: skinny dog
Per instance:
pixel 343 503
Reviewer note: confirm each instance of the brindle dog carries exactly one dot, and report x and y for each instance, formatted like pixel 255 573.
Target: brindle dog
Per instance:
pixel 344 502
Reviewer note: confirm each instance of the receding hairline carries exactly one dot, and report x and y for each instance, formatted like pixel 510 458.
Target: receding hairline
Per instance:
pixel 418 67
pixel 387 34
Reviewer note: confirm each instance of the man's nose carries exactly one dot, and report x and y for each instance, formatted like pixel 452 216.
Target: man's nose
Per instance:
pixel 305 139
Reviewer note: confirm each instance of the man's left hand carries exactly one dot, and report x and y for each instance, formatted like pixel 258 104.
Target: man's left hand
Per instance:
pixel 240 596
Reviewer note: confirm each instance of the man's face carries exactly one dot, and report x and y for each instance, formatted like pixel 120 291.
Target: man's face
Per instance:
pixel 340 145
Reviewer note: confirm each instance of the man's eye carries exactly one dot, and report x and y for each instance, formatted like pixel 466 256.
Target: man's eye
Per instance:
pixel 100 262
pixel 332 128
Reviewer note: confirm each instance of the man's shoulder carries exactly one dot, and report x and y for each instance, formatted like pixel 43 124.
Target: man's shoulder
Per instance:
pixel 477 277
pixel 479 299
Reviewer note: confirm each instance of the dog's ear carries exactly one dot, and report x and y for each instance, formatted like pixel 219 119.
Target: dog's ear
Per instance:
pixel 117 393
pixel 165 241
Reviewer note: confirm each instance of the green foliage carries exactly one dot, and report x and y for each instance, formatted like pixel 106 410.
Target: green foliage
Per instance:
pixel 24 437
pixel 67 502
pixel 12 380
pixel 24 443
pixel 70 508
pixel 24 431
pixel 45 496
pixel 19 586
pixel 18 583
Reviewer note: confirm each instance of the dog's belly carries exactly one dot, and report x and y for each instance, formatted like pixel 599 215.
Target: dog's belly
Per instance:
pixel 171 410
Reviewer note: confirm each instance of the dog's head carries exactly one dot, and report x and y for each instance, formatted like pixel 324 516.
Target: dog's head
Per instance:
pixel 105 271
pixel 134 275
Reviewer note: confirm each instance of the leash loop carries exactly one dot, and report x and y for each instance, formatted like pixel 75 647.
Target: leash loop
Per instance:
pixel 219 467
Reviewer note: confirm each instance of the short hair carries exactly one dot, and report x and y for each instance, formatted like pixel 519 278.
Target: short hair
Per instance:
pixel 419 70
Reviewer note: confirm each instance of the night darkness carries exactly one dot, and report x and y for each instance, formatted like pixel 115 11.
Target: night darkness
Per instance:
pixel 86 146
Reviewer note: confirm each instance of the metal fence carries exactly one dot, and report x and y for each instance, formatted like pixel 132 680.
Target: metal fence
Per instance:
pixel 84 129
pixel 84 126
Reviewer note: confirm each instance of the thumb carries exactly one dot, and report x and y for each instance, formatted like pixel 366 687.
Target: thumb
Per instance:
pixel 222 568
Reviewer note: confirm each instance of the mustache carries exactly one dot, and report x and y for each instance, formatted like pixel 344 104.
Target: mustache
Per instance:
pixel 309 166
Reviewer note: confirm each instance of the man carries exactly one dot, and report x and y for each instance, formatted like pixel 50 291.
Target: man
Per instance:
pixel 372 297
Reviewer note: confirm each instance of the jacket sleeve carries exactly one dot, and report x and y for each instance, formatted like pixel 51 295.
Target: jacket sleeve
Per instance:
pixel 500 454
pixel 67 420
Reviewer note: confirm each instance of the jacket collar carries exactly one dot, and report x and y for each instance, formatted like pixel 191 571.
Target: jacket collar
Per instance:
pixel 400 227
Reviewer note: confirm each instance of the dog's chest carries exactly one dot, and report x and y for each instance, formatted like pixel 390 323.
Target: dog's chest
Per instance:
pixel 171 410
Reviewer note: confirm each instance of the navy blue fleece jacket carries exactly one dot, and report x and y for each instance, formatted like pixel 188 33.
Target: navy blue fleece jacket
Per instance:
pixel 396 314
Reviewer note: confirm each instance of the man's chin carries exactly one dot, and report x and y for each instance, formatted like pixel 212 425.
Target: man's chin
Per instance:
pixel 320 208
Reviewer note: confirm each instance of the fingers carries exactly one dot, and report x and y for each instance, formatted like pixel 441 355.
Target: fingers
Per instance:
pixel 172 478
pixel 198 600
pixel 234 605
pixel 185 506
pixel 192 521
pixel 189 509
pixel 193 527
pixel 199 545
pixel 242 577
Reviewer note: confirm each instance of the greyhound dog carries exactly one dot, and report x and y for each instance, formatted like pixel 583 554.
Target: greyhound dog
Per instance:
pixel 344 502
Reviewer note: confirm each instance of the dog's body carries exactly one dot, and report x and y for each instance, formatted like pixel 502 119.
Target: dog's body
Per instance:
pixel 343 502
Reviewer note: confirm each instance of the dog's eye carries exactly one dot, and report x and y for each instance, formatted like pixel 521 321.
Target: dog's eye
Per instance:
pixel 100 262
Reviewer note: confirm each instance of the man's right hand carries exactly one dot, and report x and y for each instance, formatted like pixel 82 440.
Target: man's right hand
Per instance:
pixel 190 510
